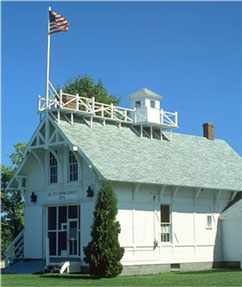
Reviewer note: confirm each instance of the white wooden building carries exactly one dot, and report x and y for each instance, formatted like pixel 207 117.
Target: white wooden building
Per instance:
pixel 232 234
pixel 171 187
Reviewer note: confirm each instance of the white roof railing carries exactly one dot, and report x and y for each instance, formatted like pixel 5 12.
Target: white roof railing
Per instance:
pixel 74 104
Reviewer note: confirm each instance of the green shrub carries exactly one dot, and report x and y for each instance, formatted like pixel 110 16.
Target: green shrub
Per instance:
pixel 103 253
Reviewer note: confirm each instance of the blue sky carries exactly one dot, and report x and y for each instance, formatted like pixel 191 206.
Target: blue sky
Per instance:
pixel 188 52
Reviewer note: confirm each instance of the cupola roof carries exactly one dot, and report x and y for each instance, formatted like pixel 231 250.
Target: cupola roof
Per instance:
pixel 144 92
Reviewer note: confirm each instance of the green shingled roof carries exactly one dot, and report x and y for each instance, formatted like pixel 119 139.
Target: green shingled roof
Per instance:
pixel 120 155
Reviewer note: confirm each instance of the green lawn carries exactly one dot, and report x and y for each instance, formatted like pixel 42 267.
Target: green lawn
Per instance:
pixel 217 277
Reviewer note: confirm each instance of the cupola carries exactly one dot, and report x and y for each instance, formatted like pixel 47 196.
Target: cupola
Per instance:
pixel 147 105
pixel 148 118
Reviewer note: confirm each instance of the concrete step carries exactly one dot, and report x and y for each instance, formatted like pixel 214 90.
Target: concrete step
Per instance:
pixel 26 267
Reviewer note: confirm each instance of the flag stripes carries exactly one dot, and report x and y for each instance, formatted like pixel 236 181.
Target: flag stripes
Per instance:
pixel 57 23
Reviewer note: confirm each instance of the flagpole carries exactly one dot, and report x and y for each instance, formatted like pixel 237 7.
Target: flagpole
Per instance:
pixel 47 82
pixel 47 65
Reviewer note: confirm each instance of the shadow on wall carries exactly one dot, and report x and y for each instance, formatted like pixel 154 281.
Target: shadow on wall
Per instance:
pixel 219 261
pixel 218 248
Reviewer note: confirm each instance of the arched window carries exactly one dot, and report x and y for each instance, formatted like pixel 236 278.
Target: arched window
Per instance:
pixel 53 168
pixel 73 167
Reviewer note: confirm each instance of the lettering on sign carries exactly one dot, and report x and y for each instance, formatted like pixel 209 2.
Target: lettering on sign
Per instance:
pixel 62 195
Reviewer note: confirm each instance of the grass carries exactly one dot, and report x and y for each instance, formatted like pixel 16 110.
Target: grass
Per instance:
pixel 215 277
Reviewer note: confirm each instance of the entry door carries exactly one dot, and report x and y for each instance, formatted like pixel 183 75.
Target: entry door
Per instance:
pixel 72 237
pixel 64 230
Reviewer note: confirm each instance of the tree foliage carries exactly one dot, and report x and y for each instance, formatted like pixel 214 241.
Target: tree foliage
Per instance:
pixel 17 156
pixel 86 87
pixel 103 253
pixel 12 205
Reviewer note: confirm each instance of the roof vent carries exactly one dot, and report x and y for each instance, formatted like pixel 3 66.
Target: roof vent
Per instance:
pixel 208 131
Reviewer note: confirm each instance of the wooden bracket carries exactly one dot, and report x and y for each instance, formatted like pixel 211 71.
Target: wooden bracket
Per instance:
pixel 136 189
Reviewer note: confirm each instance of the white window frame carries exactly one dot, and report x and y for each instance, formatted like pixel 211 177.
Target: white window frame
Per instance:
pixel 209 226
pixel 166 225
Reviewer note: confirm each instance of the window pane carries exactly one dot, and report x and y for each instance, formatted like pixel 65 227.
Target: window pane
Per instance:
pixel 52 218
pixel 152 104
pixel 62 238
pixel 165 213
pixel 209 221
pixel 73 229
pixel 62 216
pixel 137 104
pixel 72 211
pixel 52 242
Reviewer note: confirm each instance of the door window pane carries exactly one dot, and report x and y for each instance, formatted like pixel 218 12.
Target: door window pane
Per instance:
pixel 52 218
pixel 73 229
pixel 73 237
pixel 62 240
pixel 52 242
pixel 72 211
pixel 62 216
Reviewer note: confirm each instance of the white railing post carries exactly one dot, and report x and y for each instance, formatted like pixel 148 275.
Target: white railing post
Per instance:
pixel 77 102
pixel 39 102
pixel 87 105
pixel 135 115
pixel 176 118
pixel 112 111
pixel 125 115
pixel 13 250
pixel 93 104
pixel 47 252
pixel 102 112
pixel 162 116
pixel 61 103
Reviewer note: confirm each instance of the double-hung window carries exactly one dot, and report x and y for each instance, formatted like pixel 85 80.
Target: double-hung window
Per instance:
pixel 73 167
pixel 165 223
pixel 53 168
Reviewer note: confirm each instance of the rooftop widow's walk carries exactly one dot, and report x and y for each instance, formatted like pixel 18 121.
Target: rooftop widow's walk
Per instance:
pixel 145 116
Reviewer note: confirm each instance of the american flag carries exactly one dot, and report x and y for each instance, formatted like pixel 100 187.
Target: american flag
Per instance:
pixel 57 23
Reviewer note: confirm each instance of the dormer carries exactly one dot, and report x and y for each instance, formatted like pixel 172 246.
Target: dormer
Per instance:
pixel 147 105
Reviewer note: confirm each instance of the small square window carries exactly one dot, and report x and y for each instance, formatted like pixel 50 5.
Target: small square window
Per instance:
pixel 137 104
pixel 152 104
pixel 209 222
